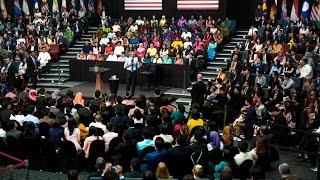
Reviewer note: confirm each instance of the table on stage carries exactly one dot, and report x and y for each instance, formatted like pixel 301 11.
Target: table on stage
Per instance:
pixel 168 75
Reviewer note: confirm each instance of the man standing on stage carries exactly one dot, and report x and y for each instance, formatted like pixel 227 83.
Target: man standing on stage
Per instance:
pixel 131 64
pixel 198 91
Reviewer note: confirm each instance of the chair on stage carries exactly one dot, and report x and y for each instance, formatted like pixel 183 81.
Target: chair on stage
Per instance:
pixel 147 76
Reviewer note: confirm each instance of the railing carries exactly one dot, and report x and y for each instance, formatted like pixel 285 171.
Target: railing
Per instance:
pixel 10 168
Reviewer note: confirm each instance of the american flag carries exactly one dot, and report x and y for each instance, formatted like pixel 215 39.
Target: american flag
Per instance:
pixel 142 4
pixel 314 11
pixel 198 5
pixel 44 8
pixel 90 6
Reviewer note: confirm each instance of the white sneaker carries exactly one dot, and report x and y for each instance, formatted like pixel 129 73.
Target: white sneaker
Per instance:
pixel 315 169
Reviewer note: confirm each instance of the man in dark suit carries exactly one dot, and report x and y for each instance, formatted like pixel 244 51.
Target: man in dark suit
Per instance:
pixel 276 96
pixel 86 114
pixel 95 103
pixel 32 69
pixel 76 28
pixel 198 91
pixel 5 113
pixel 237 52
pixel 178 158
pixel 247 77
pixel 11 73
pixel 42 99
pixel 120 105
pixel 245 46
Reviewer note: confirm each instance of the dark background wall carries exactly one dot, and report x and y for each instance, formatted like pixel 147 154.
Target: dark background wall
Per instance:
pixel 242 11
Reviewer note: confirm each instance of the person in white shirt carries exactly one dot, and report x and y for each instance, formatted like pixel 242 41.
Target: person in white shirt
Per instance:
pixel 3 133
pixel 192 21
pixel 44 58
pixel 98 123
pixel 122 58
pixel 81 13
pixel 260 79
pixel 288 83
pixel 252 30
pixel 116 27
pixel 21 39
pixel 112 57
pixel 187 43
pixel 139 21
pixel 304 69
pixel 104 40
pixel 243 154
pixel 133 28
pixel 118 50
pixel 186 34
pixel 111 35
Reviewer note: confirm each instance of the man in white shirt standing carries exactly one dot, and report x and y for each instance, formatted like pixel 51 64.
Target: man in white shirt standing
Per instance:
pixel 131 64
pixel 44 58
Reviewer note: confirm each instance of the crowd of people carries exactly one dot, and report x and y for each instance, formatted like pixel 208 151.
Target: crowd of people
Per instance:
pixel 25 42
pixel 161 41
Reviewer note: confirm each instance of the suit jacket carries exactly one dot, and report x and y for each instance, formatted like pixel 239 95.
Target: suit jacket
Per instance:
pixel 31 66
pixel 11 75
pixel 8 47
pixel 42 102
pixel 250 78
pixel 198 91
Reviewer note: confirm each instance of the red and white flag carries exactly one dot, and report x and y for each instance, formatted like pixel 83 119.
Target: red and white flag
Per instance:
pixel 63 5
pixel 198 5
pixel 142 4
pixel 314 11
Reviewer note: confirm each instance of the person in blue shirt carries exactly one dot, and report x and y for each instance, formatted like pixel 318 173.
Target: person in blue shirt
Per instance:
pixel 151 160
pixel 276 67
pixel 257 66
pixel 134 41
pixel 86 47
pixel 178 114
pixel 146 59
pixel 147 141
pixel 167 60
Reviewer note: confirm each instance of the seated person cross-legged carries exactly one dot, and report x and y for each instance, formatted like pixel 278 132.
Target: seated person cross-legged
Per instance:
pixel 250 119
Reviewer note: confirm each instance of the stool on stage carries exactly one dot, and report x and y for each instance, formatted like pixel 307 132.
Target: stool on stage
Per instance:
pixel 99 80
pixel 114 85
pixel 147 76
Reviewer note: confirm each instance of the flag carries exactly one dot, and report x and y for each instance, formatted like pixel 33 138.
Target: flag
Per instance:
pixel 198 5
pixel 142 4
pixel 73 4
pixel 305 13
pixel 35 4
pixel 273 10
pixel 25 7
pixel 82 5
pixel 294 10
pixel 315 11
pixel 44 7
pixel 284 13
pixel 3 8
pixel 264 8
pixel 90 6
pixel 63 5
pixel 99 8
pixel 55 6
pixel 17 8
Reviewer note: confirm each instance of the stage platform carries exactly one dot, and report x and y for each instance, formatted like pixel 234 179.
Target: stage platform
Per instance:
pixel 87 89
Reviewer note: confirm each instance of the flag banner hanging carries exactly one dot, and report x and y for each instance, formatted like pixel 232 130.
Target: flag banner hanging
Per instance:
pixel 44 7
pixel 198 5
pixel 315 11
pixel 63 5
pixel 294 10
pixel 90 6
pixel 3 9
pixel 142 4
pixel 17 8
pixel 284 13
pixel 55 6
pixel 305 13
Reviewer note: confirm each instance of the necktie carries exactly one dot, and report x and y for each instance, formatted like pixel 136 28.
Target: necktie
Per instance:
pixel 132 65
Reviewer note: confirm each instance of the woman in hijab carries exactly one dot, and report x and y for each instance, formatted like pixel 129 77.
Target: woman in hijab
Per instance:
pixel 214 146
pixel 33 95
pixel 78 100
pixel 227 138
pixel 140 51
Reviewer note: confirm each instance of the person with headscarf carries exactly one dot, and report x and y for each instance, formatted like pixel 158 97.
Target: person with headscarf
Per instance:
pixel 214 144
pixel 212 50
pixel 68 34
pixel 227 136
pixel 33 95
pixel 78 99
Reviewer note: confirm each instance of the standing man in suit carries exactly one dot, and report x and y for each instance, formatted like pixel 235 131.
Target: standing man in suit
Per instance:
pixel 32 69
pixel 11 73
pixel 198 91
pixel 131 64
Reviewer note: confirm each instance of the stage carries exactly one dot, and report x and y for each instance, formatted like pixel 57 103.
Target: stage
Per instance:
pixel 87 89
